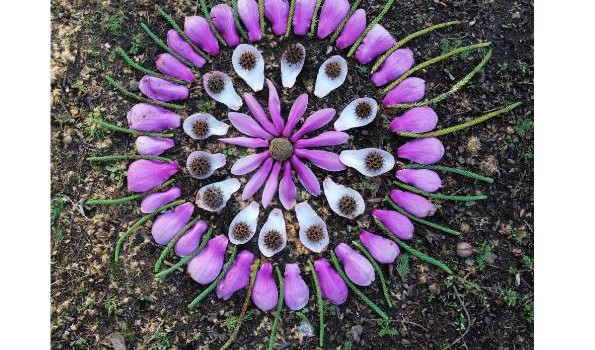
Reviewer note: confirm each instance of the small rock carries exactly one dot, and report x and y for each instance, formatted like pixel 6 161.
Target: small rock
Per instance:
pixel 490 258
pixel 469 261
pixel 305 328
pixel 356 331
pixel 465 250
pixel 329 49
pixel 117 340
pixel 133 85
pixel 516 15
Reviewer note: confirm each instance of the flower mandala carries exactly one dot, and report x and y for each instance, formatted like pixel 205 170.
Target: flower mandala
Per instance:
pixel 281 149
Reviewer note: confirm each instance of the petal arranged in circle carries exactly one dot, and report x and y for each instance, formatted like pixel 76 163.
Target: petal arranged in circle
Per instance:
pixel 148 117
pixel 424 179
pixel 162 90
pixel 302 17
pixel 394 66
pixel 144 174
pixel 368 161
pixel 349 117
pixel 169 65
pixel 248 126
pixel 275 225
pixel 332 286
pixel 359 270
pixel 416 120
pixel 238 276
pixel 215 161
pixel 314 122
pixel 290 71
pixel 276 11
pixel 397 223
pixel 245 142
pixel 327 138
pixel 295 114
pixel 156 200
pixel 250 162
pixel 287 188
pixel 222 16
pixel 275 107
pixel 226 188
pixel 295 290
pixel 228 95
pixel 306 176
pixel 414 203
pixel 247 61
pixel 354 27
pixel 258 112
pixel 198 30
pixel 191 239
pixel 168 224
pixel 331 15
pixel 343 200
pixel 377 41
pixel 153 146
pixel 270 187
pixel 248 13
pixel 205 267
pixel 182 48
pixel 425 151
pixel 200 126
pixel 257 180
pixel 323 159
pixel 310 222
pixel 246 218
pixel 325 83
pixel 410 90
pixel 383 250
pixel 265 293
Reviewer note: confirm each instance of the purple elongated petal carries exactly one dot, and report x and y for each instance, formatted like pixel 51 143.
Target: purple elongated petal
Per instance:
pixel 322 159
pixel 258 179
pixel 423 179
pixel 413 203
pixel 302 16
pixel 353 29
pixel 275 107
pixel 169 65
pixel 397 223
pixel 295 290
pixel 417 119
pixel 295 114
pixel 359 270
pixel 425 151
pixel 182 48
pixel 205 267
pixel 248 163
pixel 162 90
pixel 155 201
pixel 331 15
pixel 259 114
pixel 248 126
pixel 265 293
pixel 171 222
pixel 383 250
pixel 276 11
pixel 410 90
pixel 153 146
pixel 327 138
pixel 306 176
pixel 144 174
pixel 198 30
pixel 147 117
pixel 287 189
pixel 248 12
pixel 245 142
pixel 191 239
pixel 332 286
pixel 271 185
pixel 377 42
pixel 315 121
pixel 222 16
pixel 238 276
pixel 394 66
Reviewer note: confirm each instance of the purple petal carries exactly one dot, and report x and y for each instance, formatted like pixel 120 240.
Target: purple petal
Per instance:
pixel 322 159
pixel 222 16
pixel 198 30
pixel 271 186
pixel 248 163
pixel 162 90
pixel 248 12
pixel 171 222
pixel 302 16
pixel 147 117
pixel 276 11
pixel 331 15
pixel 416 120
pixel 327 138
pixel 259 114
pixel 315 121
pixel 397 223
pixel 169 65
pixel 182 48
pixel 332 286
pixel 295 114
pixel 191 239
pixel 153 146
pixel 359 270
pixel 238 276
pixel 383 250
pixel 144 174
pixel 265 293
pixel 258 179
pixel 394 66
pixel 248 126
pixel 377 42
pixel 353 29
pixel 423 179
pixel 410 90
pixel 425 151
pixel 413 203
pixel 245 142
pixel 306 176
pixel 205 267
pixel 275 107
pixel 295 290
pixel 155 201
pixel 287 189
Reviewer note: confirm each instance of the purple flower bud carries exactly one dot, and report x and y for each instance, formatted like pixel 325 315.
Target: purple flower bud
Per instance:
pixel 331 15
pixel 397 223
pixel 394 66
pixel 169 65
pixel 425 151
pixel 353 29
pixel 413 203
pixel 205 267
pixel 147 117
pixel 198 30
pixel 302 16
pixel 238 276
pixel 155 201
pixel 191 239
pixel 410 90
pixel 222 16
pixel 171 222
pixel 382 249
pixel 377 42
pixel 295 290
pixel 417 120
pixel 423 179
pixel 248 12
pixel 153 146
pixel 332 286
pixel 162 90
pixel 276 11
pixel 359 270
pixel 144 174
pixel 265 293
pixel 182 48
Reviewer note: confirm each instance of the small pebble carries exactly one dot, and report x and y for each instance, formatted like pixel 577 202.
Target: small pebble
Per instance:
pixel 306 328
pixel 133 85
pixel 464 249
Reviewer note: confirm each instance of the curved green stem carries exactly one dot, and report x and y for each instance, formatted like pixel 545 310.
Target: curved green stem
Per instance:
pixel 344 21
pixel 186 259
pixel 440 195
pixel 236 19
pixel 120 157
pixel 111 201
pixel 163 46
pixel 127 93
pixel 387 6
pixel 168 248
pixel 278 310
pixel 113 127
pixel 422 221
pixel 315 18
pixel 319 303
pixel 462 172
pixel 177 28
pixel 290 18
pixel 147 71
pixel 378 271
pixel 207 16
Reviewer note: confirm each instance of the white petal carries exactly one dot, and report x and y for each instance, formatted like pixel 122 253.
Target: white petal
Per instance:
pixel 255 76
pixel 227 188
pixel 274 222
pixel 228 96
pixel 357 159
pixel 349 119
pixel 248 216
pixel 324 84
pixel 307 218
pixel 215 127
pixel 334 192
pixel 290 72
pixel 216 161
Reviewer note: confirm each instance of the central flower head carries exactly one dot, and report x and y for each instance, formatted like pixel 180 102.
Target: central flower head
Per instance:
pixel 280 149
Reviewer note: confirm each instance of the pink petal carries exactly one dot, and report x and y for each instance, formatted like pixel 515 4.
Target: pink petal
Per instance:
pixel 248 13
pixel 153 146
pixel 265 293
pixel 413 203
pixel 144 174
pixel 295 114
pixel 162 90
pixel 245 142
pixel 275 107
pixel 359 270
pixel 354 27
pixel 198 30
pixel 423 179
pixel 416 120
pixel 238 276
pixel 222 16
pixel 383 250
pixel 377 41
pixel 394 66
pixel 306 176
pixel 397 223
pixel 410 90
pixel 155 201
pixel 315 121
pixel 259 114
pixel 169 65
pixel 327 138
pixel 250 162
pixel 168 224
pixel 248 126
pixel 257 180
pixel 182 48
pixel 322 159
pixel 287 189
pixel 302 17
pixel 276 11
pixel 191 239
pixel 148 117
pixel 331 15
pixel 425 151
pixel 332 286
pixel 271 186
pixel 205 267
pixel 295 290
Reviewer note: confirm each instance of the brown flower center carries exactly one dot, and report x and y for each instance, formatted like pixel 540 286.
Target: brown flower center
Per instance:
pixel 363 110
pixel 241 231
pixel 200 128
pixel 280 149
pixel 315 233
pixel 215 84
pixel 294 54
pixel 347 205
pixel 247 60
pixel 332 70
pixel 200 165
pixel 272 240
pixel 213 197
pixel 374 161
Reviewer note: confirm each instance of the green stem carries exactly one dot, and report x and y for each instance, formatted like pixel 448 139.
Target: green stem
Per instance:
pixel 463 126
pixel 290 18
pixel 376 20
pixel 407 39
pixel 141 222
pixel 378 271
pixel 111 201
pixel 120 157
pixel 177 28
pixel 278 310
pixel 261 15
pixel 207 15
pixel 422 221
pixel 163 46
pixel 319 303
pixel 236 18
pixel 113 127
pixel 462 172
pixel 337 32
pixel 356 290
pixel 127 93
pixel 186 259
pixel 147 71
pixel 215 283
pixel 440 195
pixel 168 248
pixel 315 18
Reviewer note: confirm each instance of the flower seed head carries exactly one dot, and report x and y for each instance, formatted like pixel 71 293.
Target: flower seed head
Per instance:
pixel 280 149
pixel 200 128
pixel 248 60
pixel 294 54
pixel 200 165
pixel 374 161
pixel 315 233
pixel 215 84
pixel 332 70
pixel 213 197
pixel 241 231
pixel 363 110
pixel 273 240
pixel 347 205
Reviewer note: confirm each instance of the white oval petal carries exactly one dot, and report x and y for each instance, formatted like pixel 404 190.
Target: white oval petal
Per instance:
pixel 324 84
pixel 209 123
pixel 336 194
pixel 254 77
pixel 307 218
pixel 215 162
pixel 225 188
pixel 290 71
pixel 275 222
pixel 247 216
pixel 357 159
pixel 349 117
pixel 228 96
